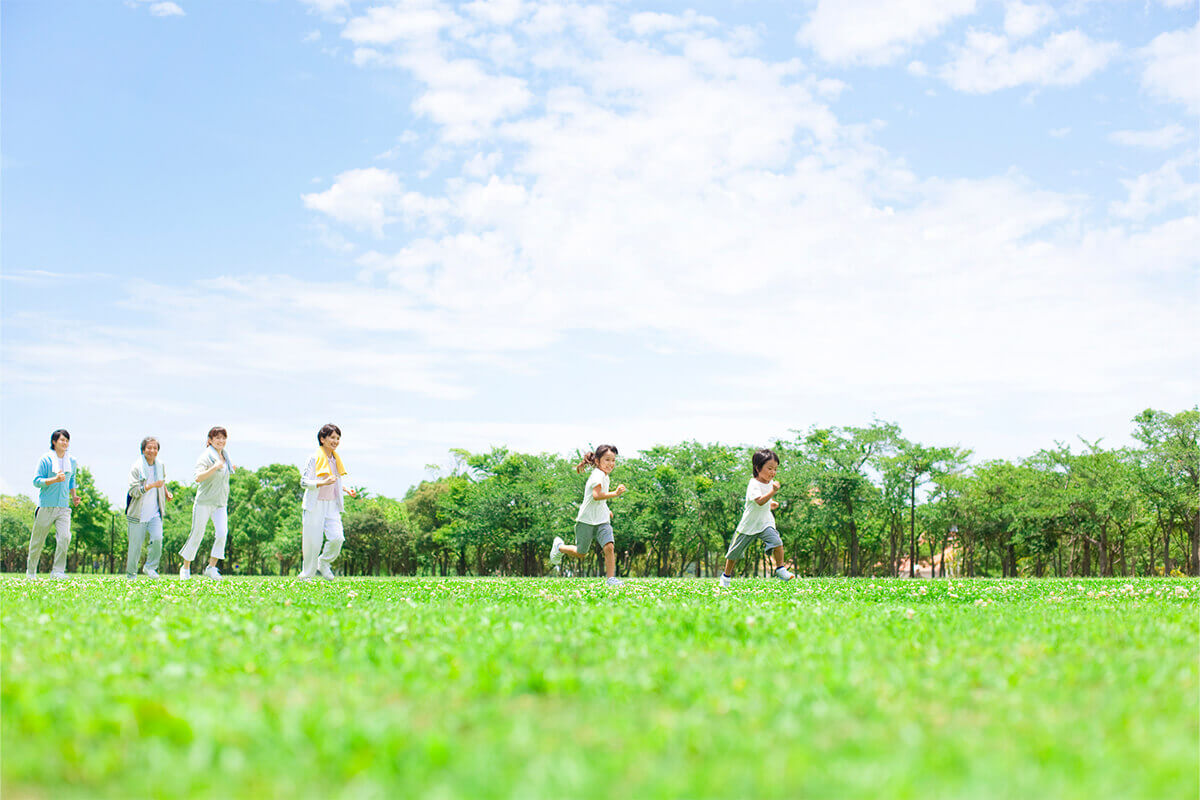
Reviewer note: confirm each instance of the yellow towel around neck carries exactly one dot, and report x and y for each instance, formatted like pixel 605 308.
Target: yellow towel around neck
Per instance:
pixel 323 469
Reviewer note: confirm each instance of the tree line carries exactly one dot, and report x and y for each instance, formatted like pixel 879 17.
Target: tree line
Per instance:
pixel 856 501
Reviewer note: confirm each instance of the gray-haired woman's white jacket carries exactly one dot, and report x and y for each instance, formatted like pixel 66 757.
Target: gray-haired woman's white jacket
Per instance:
pixel 137 489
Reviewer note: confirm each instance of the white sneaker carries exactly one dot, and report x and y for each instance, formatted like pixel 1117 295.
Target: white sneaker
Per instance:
pixel 555 553
pixel 211 572
pixel 58 576
pixel 614 581
pixel 30 575
pixel 325 571
pixel 185 573
pixel 725 580
pixel 152 573
pixel 783 574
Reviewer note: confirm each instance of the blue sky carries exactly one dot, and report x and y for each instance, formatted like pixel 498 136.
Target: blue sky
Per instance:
pixel 547 225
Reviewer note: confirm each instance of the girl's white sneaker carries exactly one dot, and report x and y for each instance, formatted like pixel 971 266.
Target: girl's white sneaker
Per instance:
pixel 725 581
pixel 185 573
pixel 211 572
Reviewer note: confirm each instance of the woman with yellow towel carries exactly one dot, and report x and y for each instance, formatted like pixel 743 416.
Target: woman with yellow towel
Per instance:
pixel 321 514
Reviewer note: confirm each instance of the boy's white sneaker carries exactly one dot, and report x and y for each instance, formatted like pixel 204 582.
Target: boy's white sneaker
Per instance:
pixel 150 573
pixel 185 573
pixel 326 572
pixel 783 574
pixel 211 572
pixel 555 553
pixel 725 580
pixel 614 581
pixel 58 576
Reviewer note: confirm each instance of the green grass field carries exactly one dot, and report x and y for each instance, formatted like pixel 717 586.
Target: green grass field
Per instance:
pixel 565 688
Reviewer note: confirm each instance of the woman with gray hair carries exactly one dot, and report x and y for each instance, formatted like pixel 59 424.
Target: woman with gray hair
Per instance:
pixel 145 504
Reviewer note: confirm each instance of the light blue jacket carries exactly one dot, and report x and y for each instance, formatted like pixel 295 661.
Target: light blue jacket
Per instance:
pixel 54 495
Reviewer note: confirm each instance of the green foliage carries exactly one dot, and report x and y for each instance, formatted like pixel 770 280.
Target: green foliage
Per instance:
pixel 541 688
pixel 853 501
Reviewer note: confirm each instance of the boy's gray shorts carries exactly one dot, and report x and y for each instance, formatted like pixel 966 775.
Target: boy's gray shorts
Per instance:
pixel 585 534
pixel 768 537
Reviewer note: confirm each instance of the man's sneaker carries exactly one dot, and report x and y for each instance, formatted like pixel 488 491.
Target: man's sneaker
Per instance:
pixel 185 573
pixel 325 571
pixel 725 580
pixel 614 581
pixel 783 574
pixel 152 573
pixel 58 576
pixel 555 553
pixel 211 572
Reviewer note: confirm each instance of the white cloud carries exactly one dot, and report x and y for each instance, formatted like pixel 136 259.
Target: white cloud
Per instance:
pixel 876 31
pixel 330 9
pixel 1157 139
pixel 365 199
pixel 985 62
pixel 1060 133
pixel 649 23
pixel 1172 66
pixel 1166 188
pixel 1024 19
pixel 311 36
pixel 918 68
pixel 165 10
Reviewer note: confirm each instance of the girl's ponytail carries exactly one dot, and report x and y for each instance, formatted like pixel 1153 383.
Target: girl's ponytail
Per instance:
pixel 592 459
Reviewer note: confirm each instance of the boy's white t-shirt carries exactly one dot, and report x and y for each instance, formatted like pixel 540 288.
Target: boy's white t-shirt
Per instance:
pixel 591 510
pixel 756 518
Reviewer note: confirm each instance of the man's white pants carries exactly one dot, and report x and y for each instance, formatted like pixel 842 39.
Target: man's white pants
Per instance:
pixel 60 520
pixel 200 517
pixel 322 522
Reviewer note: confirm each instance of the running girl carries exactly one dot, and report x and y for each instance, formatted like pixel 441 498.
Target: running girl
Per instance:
pixel 594 520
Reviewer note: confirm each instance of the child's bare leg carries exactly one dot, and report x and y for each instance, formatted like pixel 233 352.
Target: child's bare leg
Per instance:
pixel 778 554
pixel 729 565
pixel 212 561
pixel 570 550
pixel 610 560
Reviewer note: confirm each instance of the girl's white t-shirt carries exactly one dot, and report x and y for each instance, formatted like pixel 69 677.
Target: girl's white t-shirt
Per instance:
pixel 593 511
pixel 756 518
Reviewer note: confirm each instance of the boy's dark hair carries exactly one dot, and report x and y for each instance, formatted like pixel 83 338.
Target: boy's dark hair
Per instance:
pixel 762 458
pixel 60 433
pixel 326 430
pixel 592 459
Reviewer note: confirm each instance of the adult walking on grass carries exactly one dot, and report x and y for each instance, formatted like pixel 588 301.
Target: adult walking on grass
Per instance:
pixel 145 505
pixel 324 501
pixel 212 472
pixel 55 480
pixel 594 521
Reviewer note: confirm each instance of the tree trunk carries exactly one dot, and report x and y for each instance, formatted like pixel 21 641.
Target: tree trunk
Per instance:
pixel 1167 531
pixel 912 534
pixel 853 541
pixel 1103 557
pixel 1195 536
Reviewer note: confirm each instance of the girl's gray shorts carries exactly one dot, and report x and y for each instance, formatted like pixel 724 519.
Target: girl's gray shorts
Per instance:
pixel 768 537
pixel 602 534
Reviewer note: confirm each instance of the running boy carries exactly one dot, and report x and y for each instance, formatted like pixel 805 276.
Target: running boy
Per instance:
pixel 758 523
pixel 594 520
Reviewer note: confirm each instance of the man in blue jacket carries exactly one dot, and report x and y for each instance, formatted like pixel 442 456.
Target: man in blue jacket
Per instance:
pixel 55 480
